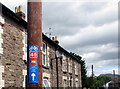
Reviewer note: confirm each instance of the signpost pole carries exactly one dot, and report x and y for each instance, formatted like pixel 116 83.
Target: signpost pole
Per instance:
pixel 34 30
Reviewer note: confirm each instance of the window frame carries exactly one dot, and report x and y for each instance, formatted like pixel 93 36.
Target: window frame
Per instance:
pixel 64 63
pixel 44 61
pixel 70 65
pixel 70 81
pixel 64 83
pixel 76 68
pixel 46 87
pixel 76 84
pixel 25 45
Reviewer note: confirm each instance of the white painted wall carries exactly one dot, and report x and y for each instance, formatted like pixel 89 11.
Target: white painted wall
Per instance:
pixel 25 45
pixel 24 74
pixel 2 84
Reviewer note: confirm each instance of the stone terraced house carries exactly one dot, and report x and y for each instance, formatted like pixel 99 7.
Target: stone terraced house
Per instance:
pixel 13 56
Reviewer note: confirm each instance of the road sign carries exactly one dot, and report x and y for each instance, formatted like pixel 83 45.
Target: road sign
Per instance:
pixel 33 64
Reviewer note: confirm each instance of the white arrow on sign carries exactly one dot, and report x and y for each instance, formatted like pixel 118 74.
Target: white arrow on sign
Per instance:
pixel 33 76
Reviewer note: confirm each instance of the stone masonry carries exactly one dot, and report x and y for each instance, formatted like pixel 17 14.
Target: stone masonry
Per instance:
pixel 13 54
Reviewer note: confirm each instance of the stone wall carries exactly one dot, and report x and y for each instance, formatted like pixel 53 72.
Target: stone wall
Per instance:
pixel 13 54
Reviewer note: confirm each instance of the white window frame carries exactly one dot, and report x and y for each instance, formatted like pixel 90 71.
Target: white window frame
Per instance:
pixel 2 82
pixel 24 74
pixel 25 45
pixel 70 83
pixel 48 55
pixel 65 83
pixel 70 65
pixel 76 84
pixel 46 87
pixel 76 68
pixel 64 64
pixel 44 53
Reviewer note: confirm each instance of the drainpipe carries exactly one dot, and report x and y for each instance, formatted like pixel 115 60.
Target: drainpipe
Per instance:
pixel 34 30
pixel 57 66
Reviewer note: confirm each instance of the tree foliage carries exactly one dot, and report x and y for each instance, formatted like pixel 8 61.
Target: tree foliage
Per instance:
pixel 83 69
pixel 94 82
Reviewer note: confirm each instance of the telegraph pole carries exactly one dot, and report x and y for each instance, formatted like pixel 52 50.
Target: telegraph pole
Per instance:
pixel 34 30
pixel 92 71
pixel 114 78
pixel 92 76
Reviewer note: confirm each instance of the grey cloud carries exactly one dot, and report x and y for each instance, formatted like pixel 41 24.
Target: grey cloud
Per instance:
pixel 62 16
pixel 92 6
pixel 109 55
pixel 106 18
pixel 90 39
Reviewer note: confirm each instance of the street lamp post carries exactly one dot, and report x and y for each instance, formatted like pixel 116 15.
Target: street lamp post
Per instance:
pixel 57 56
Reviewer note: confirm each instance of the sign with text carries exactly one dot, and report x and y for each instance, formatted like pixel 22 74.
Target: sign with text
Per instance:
pixel 33 64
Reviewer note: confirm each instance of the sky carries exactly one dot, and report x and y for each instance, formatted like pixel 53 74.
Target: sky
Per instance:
pixel 88 28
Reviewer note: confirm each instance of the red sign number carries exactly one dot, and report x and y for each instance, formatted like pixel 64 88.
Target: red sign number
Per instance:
pixel 33 54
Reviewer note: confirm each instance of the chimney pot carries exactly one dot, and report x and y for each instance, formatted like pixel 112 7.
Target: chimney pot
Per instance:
pixel 16 9
pixel 20 8
pixel 56 40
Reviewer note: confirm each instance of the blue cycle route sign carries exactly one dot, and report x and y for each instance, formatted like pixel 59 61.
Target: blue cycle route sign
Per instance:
pixel 33 64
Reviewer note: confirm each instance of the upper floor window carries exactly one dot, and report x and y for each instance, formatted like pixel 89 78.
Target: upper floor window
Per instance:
pixel 44 54
pixel 76 68
pixel 70 65
pixel 64 63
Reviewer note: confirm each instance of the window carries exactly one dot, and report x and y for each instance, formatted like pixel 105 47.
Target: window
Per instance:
pixel 76 83
pixel 76 68
pixel 46 84
pixel 70 65
pixel 44 54
pixel 70 81
pixel 64 63
pixel 48 55
pixel 65 83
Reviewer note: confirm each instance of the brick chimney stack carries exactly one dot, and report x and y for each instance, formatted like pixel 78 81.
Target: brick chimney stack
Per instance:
pixel 18 11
